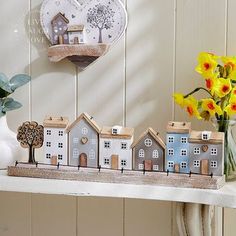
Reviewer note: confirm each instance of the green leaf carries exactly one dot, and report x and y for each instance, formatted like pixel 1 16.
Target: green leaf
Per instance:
pixel 3 93
pixel 18 81
pixel 10 104
pixel 4 83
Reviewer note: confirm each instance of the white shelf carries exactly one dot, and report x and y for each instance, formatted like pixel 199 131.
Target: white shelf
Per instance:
pixel 225 197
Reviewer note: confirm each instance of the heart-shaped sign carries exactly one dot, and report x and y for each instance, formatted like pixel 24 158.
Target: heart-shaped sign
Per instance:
pixel 82 30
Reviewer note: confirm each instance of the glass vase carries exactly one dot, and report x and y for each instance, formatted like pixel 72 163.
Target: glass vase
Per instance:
pixel 228 127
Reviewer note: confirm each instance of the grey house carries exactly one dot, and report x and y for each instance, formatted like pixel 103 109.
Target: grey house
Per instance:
pixel 83 135
pixel 206 152
pixel 149 151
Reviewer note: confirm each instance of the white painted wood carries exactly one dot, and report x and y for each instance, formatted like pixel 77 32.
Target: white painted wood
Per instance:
pixel 229 222
pixel 15 214
pixel 53 215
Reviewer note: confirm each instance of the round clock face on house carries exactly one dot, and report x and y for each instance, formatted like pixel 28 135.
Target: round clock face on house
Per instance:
pixel 103 21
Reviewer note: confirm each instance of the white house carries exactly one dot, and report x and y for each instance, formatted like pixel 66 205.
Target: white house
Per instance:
pixel 55 140
pixel 115 147
pixel 76 34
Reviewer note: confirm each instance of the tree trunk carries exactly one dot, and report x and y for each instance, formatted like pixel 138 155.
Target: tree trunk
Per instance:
pixel 100 36
pixel 31 155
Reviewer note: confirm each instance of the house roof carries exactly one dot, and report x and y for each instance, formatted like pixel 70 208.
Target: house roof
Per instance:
pixel 60 15
pixel 178 127
pixel 155 136
pixel 125 133
pixel 55 122
pixel 86 117
pixel 75 28
pixel 215 137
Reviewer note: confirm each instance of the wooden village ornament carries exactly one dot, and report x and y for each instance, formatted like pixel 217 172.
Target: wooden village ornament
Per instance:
pixel 82 30
pixel 84 151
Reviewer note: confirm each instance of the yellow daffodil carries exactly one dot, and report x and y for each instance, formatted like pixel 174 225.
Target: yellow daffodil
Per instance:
pixel 179 99
pixel 211 106
pixel 222 87
pixel 230 62
pixel 231 108
pixel 191 105
pixel 207 64
pixel 210 83
pixel 233 95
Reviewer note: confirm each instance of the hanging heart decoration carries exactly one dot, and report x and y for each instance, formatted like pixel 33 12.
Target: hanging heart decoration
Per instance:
pixel 82 30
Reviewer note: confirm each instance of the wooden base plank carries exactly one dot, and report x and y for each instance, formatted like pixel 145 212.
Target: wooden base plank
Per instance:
pixel 116 176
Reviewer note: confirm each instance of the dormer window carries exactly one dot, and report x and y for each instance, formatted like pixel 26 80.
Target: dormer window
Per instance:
pixel 206 135
pixel 116 130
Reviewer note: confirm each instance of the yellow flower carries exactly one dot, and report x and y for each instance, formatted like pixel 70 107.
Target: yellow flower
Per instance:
pixel 231 108
pixel 233 95
pixel 222 87
pixel 191 105
pixel 179 99
pixel 211 106
pixel 207 64
pixel 210 83
pixel 230 62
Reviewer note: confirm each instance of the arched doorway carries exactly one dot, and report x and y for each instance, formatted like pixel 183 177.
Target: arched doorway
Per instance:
pixel 83 160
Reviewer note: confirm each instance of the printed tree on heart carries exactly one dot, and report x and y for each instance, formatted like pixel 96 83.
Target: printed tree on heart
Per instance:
pixel 100 17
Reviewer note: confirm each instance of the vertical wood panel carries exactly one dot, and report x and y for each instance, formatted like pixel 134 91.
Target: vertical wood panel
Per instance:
pixel 229 222
pixel 53 215
pixel 100 217
pixel 14 214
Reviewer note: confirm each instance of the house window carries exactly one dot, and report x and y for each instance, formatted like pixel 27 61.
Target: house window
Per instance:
pixel 171 152
pixel 114 131
pixel 60 157
pixel 155 154
pixel 75 153
pixel 75 140
pixel 141 166
pixel 214 151
pixel 206 135
pixel 196 151
pixel 48 144
pixel 93 141
pixel 107 144
pixel 183 165
pixel 170 164
pixel 196 163
pixel 49 132
pixel 141 153
pixel 155 167
pixel 84 130
pixel 60 145
pixel 106 161
pixel 213 164
pixel 171 139
pixel 184 139
pixel 48 156
pixel 148 142
pixel 123 163
pixel 183 152
pixel 60 133
pixel 123 145
pixel 92 154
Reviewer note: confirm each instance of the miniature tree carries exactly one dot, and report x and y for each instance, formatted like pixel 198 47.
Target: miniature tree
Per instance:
pixel 30 135
pixel 101 17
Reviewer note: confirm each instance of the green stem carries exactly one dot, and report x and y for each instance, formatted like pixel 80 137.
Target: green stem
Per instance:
pixel 196 90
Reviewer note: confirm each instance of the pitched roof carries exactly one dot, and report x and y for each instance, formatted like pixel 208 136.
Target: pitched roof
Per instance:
pixel 125 133
pixel 75 28
pixel 155 136
pixel 215 137
pixel 61 15
pixel 55 122
pixel 86 117
pixel 178 127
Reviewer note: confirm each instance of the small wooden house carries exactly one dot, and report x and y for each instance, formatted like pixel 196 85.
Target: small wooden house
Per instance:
pixel 206 152
pixel 59 29
pixel 177 147
pixel 55 140
pixel 83 141
pixel 115 147
pixel 149 151
pixel 76 34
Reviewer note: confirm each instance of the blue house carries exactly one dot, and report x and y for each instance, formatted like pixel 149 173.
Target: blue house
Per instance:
pixel 177 147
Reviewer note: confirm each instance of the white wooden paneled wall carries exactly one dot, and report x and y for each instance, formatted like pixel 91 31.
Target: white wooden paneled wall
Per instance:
pixel 131 85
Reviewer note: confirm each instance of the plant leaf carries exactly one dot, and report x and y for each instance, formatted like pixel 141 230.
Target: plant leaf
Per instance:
pixel 10 104
pixel 18 80
pixel 4 83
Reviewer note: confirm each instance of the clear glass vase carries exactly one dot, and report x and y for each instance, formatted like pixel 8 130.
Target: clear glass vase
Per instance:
pixel 229 128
